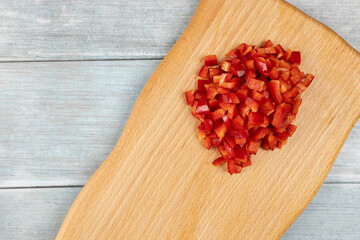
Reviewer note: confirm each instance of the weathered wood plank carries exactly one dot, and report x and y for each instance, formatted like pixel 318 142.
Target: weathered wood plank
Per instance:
pixel 106 29
pixel 60 120
pixel 38 213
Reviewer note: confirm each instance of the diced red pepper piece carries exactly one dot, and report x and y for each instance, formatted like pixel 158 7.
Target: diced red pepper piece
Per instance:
pixel 268 44
pixel 244 110
pixel 226 121
pixel 204 71
pixel 274 86
pixel 255 84
pixel 260 133
pixel 211 93
pixel 220 129
pixel 229 150
pixel 190 97
pixel 281 116
pixel 216 141
pixel 219 161
pixel 287 55
pixel 222 151
pixel 242 94
pixel 239 133
pixel 252 146
pixel 268 107
pixel 199 95
pixel 241 155
pixel 209 124
pixel 232 111
pixel 266 50
pixel 246 164
pixel 255 119
pixel 309 78
pixel 295 57
pixel 274 74
pixel 211 60
pixel 233 54
pixel 296 105
pixel 240 141
pixel 202 133
pixel 201 85
pixel 216 115
pixel 258 97
pixel 271 141
pixel 230 98
pixel 238 69
pixel 250 73
pixel 233 166
pixel 230 140
pixel 280 51
pixel 261 66
pixel 252 104
pixel 213 103
pixel 202 107
pixel 213 72
pixel 225 66
pixel 207 143
pixel 238 122
pixel 291 129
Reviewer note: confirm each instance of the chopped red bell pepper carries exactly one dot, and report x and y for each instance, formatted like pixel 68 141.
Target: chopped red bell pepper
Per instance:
pixel 252 97
pixel 211 60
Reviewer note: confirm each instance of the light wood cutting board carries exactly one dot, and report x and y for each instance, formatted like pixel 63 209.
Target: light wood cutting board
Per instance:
pixel 159 183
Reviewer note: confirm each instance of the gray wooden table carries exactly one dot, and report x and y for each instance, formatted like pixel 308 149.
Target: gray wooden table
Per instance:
pixel 70 72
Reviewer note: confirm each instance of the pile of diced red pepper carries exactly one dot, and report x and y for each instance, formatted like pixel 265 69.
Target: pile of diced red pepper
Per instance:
pixel 248 101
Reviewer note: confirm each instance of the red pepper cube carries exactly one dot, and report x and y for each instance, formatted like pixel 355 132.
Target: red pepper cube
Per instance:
pixel 219 161
pixel 280 51
pixel 241 155
pixel 252 104
pixel 216 141
pixel 244 110
pixel 274 74
pixel 274 86
pixel 261 66
pixel 222 151
pixel 232 111
pixel 233 166
pixel 202 107
pixel 201 85
pixel 255 119
pixel 242 93
pixel 260 133
pixel 225 66
pixel 222 90
pixel 204 71
pixel 287 55
pixel 296 105
pixel 220 129
pixel 238 123
pixel 190 97
pixel 238 69
pixel 271 139
pixel 291 129
pixel 281 116
pixel 249 64
pixel 230 140
pixel 255 84
pixel 211 60
pixel 309 78
pixel 295 57
pixel 239 133
pixel 227 122
pixel 216 115
pixel 268 44
pixel 213 103
pixel 240 141
pixel 250 73
pixel 246 164
pixel 202 133
pixel 211 93
pixel 252 147
pixel 214 72
pixel 230 98
pixel 233 54
pixel 208 124
pixel 229 150
pixel 207 143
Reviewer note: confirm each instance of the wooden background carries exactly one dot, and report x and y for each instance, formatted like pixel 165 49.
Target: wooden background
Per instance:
pixel 70 72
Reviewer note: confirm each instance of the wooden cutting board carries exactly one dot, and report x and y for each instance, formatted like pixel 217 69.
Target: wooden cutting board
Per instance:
pixel 159 183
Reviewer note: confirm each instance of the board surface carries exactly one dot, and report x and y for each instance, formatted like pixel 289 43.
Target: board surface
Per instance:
pixel 159 183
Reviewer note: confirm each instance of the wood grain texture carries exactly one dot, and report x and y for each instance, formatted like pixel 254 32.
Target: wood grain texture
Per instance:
pixel 36 214
pixel 73 115
pixel 151 186
pixel 107 29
